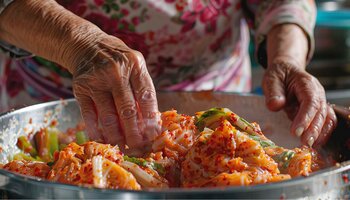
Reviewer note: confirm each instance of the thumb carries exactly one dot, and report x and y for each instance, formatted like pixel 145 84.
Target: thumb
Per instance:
pixel 274 91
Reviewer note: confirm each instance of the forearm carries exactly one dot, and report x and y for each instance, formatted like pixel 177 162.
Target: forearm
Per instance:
pixel 287 42
pixel 47 29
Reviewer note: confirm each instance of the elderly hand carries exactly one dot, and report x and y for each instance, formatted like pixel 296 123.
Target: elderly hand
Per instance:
pixel 288 86
pixel 291 88
pixel 113 87
pixel 110 80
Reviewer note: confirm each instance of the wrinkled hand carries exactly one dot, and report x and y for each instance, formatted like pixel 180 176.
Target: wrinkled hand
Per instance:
pixel 115 91
pixel 290 87
pixel 110 80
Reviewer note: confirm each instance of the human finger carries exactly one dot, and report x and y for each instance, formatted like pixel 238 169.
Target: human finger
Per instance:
pixel 88 112
pixel 311 134
pixel 309 96
pixel 108 118
pixel 328 127
pixel 145 96
pixel 274 90
pixel 128 115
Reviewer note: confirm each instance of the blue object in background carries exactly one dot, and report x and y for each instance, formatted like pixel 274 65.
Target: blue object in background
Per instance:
pixel 333 19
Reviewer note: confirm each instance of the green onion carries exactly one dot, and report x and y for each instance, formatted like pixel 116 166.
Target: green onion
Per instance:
pixel 214 115
pixel 209 117
pixel 263 142
pixel 284 158
pixel 144 163
pixel 53 140
pixel 24 144
pixel 81 137
pixel 23 156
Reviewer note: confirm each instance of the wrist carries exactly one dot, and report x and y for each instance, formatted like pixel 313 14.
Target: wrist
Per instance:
pixel 81 46
pixel 287 42
pixel 87 48
pixel 48 30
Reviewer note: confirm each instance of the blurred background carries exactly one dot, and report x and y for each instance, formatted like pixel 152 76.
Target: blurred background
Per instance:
pixel 331 61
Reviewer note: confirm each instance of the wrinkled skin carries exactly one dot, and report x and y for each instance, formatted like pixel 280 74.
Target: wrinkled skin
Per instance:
pixel 303 100
pixel 287 85
pixel 114 89
pixel 110 80
pixel 117 84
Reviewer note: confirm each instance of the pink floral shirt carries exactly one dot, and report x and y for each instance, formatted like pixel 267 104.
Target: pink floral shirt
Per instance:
pixel 188 45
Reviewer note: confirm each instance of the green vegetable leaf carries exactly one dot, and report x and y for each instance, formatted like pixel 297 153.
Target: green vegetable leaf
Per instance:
pixel 53 142
pixel 23 156
pixel 144 163
pixel 284 158
pixel 137 161
pixel 209 116
pixel 263 143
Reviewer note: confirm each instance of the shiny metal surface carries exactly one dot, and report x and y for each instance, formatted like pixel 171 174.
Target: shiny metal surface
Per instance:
pixel 329 183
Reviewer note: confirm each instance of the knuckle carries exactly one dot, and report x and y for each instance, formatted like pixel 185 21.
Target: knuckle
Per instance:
pixel 119 57
pixel 128 112
pixel 314 128
pixel 146 95
pixel 138 56
pixel 321 90
pixel 314 102
pixel 307 79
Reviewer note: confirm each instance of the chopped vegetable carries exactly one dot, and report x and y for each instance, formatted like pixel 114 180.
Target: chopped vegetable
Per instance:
pixel 227 151
pixel 81 137
pixel 53 140
pixel 214 115
pixel 284 158
pixel 23 156
pixel 62 146
pixel 209 117
pixel 24 144
pixel 144 163
pixel 263 143
pixel 50 164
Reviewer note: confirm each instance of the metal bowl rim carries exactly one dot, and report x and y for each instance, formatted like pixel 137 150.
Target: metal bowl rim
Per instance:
pixel 292 182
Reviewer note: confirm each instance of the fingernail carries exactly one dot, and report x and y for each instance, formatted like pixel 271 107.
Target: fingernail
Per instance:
pixel 310 141
pixel 299 131
pixel 274 98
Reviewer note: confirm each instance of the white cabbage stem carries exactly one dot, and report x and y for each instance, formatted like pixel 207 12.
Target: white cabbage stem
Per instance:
pixel 146 180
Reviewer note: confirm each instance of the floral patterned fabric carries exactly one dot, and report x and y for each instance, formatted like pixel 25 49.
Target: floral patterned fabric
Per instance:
pixel 188 45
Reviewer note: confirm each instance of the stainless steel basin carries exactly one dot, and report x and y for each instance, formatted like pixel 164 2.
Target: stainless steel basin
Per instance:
pixel 330 183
